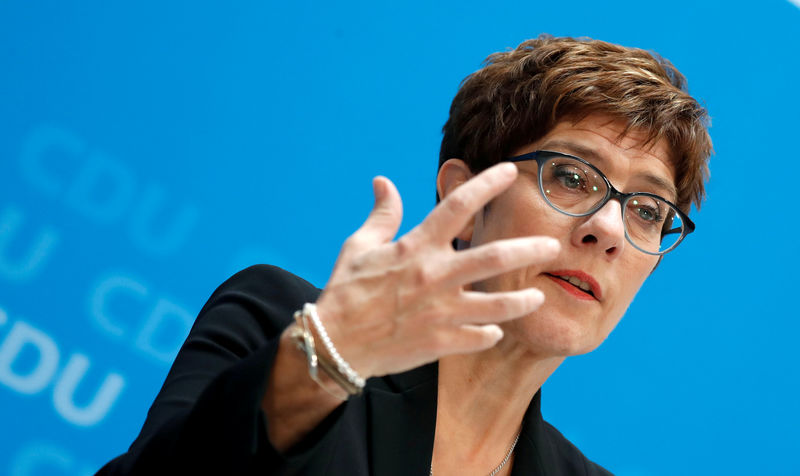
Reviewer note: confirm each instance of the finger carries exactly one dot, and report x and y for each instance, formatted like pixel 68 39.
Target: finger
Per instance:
pixel 491 308
pixel 469 338
pixel 450 216
pixel 384 220
pixel 498 257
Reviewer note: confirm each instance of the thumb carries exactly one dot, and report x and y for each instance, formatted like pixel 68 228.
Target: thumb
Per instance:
pixel 387 213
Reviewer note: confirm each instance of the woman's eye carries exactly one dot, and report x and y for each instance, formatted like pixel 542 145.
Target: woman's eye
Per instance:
pixel 649 214
pixel 569 179
pixel 646 214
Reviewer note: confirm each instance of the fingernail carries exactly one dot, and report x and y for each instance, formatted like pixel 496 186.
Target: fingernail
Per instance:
pixel 552 245
pixel 378 188
pixel 508 167
pixel 495 332
pixel 536 296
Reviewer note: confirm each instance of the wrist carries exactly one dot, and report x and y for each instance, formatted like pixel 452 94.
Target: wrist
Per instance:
pixel 350 339
pixel 310 336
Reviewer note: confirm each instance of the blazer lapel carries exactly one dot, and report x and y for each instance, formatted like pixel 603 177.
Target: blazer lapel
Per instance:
pixel 532 442
pixel 402 422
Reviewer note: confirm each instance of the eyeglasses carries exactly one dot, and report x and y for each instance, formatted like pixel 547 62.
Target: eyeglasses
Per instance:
pixel 577 188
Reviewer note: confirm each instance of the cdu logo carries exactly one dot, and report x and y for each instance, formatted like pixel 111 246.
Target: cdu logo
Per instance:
pixel 30 361
pixel 104 190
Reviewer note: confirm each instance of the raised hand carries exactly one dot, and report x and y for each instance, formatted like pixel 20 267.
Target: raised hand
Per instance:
pixel 394 305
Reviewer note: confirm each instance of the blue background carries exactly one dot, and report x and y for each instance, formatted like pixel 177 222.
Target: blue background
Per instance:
pixel 149 150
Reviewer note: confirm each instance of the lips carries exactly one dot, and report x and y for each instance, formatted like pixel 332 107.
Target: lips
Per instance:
pixel 577 283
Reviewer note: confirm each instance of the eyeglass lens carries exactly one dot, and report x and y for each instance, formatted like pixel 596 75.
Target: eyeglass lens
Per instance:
pixel 577 189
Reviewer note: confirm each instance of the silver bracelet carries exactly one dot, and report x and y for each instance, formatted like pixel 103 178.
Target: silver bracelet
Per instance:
pixel 342 366
pixel 304 340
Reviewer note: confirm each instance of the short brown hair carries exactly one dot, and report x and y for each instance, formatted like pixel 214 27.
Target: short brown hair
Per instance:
pixel 518 96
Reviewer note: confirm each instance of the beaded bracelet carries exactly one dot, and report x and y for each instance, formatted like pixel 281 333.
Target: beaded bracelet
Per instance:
pixel 339 370
pixel 304 341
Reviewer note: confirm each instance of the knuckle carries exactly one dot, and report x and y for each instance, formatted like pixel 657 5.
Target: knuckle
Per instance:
pixel 356 263
pixel 440 341
pixel 458 204
pixel 404 247
pixel 504 306
pixel 424 275
pixel 385 216
pixel 496 256
pixel 353 242
pixel 434 317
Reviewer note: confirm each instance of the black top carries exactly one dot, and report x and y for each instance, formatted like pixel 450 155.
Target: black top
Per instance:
pixel 207 417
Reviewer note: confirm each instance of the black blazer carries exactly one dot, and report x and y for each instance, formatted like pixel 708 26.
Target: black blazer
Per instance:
pixel 207 418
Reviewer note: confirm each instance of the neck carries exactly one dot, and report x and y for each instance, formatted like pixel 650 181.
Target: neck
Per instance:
pixel 482 400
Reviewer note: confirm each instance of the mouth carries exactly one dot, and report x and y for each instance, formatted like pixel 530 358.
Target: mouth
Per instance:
pixel 577 283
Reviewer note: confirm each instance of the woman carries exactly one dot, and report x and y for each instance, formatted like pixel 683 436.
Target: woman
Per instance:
pixel 565 173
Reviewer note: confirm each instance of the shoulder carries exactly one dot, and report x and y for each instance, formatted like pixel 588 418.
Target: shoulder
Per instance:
pixel 269 281
pixel 264 292
pixel 208 410
pixel 572 455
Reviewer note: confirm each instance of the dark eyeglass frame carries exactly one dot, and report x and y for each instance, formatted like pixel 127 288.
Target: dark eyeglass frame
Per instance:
pixel 541 157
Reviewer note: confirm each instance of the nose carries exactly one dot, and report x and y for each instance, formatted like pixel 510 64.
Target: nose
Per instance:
pixel 603 230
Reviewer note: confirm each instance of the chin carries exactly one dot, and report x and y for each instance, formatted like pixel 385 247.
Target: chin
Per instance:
pixel 555 336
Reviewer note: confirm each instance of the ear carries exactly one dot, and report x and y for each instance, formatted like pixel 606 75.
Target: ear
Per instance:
pixel 451 175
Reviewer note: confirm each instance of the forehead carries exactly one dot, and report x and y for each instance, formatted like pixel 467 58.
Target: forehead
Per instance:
pixel 624 156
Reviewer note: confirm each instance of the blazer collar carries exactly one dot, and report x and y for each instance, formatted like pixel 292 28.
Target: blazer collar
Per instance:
pixel 402 422
pixel 533 447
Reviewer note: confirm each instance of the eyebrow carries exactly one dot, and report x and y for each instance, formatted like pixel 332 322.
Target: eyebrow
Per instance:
pixel 587 153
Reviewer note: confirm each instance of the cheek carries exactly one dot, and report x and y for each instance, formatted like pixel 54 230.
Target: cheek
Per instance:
pixel 633 269
pixel 515 213
pixel 634 274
